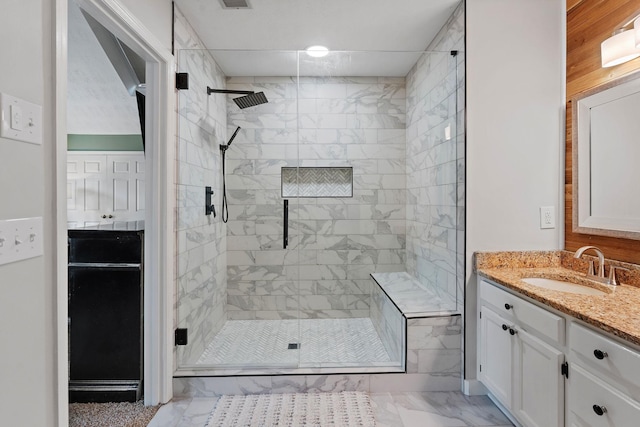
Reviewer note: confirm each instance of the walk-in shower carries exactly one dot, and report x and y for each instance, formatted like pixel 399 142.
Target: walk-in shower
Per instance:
pixel 368 150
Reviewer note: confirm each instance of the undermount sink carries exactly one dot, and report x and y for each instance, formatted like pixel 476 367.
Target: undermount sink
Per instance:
pixel 562 286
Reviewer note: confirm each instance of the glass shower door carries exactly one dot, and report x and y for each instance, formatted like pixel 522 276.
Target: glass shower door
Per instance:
pixel 352 183
pixel 263 288
pixel 238 285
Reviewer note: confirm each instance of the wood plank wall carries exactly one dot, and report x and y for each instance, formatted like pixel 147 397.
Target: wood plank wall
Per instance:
pixel 589 22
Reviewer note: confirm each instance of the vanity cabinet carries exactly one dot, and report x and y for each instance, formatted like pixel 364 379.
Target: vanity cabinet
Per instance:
pixel 604 381
pixel 520 357
pixel 521 361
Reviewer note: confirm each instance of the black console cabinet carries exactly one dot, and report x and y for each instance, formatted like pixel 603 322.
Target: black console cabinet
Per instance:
pixel 105 315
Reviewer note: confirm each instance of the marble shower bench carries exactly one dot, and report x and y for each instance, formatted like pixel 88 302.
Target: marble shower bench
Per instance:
pixel 408 315
pixel 412 298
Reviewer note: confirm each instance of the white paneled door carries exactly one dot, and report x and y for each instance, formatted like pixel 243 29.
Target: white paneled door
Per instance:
pixel 104 187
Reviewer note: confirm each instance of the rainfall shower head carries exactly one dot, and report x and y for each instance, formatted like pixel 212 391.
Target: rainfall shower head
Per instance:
pixel 250 98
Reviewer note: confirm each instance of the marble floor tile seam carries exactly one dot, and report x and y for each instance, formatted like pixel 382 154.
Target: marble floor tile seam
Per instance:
pixel 445 409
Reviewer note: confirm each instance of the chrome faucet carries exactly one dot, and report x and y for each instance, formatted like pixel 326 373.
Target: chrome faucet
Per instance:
pixel 591 273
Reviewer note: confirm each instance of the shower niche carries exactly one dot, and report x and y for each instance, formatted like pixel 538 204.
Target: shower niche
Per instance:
pixel 317 182
pixel 357 164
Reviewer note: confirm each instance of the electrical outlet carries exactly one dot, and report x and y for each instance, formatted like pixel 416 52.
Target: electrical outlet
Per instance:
pixel 547 217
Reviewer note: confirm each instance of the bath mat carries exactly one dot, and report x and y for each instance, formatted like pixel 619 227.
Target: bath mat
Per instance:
pixel 345 409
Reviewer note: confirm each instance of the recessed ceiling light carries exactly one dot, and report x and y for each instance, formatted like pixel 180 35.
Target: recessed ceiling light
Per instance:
pixel 317 51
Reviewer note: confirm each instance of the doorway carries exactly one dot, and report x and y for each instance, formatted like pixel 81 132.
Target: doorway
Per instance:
pixel 159 239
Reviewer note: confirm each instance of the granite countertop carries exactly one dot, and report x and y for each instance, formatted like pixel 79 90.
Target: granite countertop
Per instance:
pixel 617 312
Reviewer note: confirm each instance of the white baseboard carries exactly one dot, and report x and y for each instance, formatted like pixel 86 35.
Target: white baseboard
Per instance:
pixel 473 388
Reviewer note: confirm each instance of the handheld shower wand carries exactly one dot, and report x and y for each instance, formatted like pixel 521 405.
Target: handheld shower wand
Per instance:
pixel 226 147
pixel 223 150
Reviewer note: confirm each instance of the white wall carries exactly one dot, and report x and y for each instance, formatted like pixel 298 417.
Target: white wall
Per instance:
pixel 515 131
pixel 27 327
pixel 155 15
pixel 98 103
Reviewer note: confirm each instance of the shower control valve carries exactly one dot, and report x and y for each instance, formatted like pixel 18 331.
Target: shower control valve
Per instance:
pixel 209 208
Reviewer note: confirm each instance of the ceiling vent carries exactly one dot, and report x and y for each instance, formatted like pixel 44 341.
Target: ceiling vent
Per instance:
pixel 235 4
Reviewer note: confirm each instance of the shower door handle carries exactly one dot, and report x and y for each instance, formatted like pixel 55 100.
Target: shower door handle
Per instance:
pixel 285 240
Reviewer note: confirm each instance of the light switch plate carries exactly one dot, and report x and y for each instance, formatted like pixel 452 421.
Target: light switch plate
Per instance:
pixel 20 239
pixel 21 120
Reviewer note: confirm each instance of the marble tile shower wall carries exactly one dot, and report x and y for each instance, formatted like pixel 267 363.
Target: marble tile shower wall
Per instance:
pixel 335 243
pixel 434 347
pixel 388 322
pixel 435 166
pixel 201 258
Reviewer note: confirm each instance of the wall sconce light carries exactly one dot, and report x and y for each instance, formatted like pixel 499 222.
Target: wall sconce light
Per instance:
pixel 619 48
pixel 623 45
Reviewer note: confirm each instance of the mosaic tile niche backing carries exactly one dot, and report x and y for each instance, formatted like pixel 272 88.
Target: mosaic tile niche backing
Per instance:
pixel 317 182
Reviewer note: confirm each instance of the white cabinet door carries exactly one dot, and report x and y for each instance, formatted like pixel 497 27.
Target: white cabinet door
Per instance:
pixel 104 188
pixel 86 183
pixel 124 198
pixel 538 389
pixel 496 355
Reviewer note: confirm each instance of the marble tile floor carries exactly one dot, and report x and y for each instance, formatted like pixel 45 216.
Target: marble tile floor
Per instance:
pixel 428 409
pixel 326 342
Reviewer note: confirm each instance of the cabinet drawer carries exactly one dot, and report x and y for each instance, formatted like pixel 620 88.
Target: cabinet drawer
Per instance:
pixel 585 391
pixel 619 360
pixel 523 313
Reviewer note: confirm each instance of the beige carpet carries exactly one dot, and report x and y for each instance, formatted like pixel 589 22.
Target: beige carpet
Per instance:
pixel 110 414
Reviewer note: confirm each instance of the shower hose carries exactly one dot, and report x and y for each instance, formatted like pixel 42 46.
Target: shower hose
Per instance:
pixel 225 205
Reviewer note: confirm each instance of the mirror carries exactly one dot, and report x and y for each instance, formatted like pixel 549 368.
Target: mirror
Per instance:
pixel 606 160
